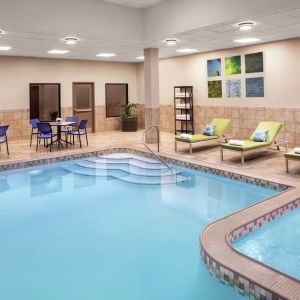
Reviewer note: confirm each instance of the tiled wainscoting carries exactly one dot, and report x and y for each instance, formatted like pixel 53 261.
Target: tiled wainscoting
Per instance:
pixel 19 127
pixel 244 120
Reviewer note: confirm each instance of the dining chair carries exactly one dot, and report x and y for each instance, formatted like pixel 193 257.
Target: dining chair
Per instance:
pixel 67 129
pixel 80 130
pixel 44 133
pixel 34 128
pixel 3 136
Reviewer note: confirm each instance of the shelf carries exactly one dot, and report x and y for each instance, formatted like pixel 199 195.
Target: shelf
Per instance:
pixel 183 95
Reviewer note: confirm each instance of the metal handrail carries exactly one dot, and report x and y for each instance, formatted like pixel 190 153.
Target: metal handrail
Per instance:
pixel 158 141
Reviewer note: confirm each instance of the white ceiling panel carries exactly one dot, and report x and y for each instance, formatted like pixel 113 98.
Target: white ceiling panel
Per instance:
pixel 96 37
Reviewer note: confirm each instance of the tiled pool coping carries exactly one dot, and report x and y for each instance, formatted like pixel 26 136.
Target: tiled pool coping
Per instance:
pixel 249 276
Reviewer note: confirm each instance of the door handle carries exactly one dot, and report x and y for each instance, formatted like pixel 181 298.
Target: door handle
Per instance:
pixel 83 110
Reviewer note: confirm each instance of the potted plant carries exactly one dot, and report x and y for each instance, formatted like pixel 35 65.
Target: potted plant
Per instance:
pixel 130 117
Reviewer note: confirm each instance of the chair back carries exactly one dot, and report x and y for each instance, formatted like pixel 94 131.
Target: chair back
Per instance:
pixel 72 119
pixel 3 130
pixel 221 125
pixel 82 124
pixel 44 128
pixel 33 122
pixel 273 127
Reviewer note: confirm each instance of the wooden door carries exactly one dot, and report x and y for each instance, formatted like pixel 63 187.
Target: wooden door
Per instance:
pixel 84 103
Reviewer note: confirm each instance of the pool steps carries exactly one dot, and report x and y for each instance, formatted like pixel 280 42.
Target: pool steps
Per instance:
pixel 127 168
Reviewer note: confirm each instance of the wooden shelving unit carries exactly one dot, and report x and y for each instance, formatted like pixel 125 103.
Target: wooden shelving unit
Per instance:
pixel 183 107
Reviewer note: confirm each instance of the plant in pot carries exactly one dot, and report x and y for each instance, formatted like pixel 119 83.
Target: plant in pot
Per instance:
pixel 130 117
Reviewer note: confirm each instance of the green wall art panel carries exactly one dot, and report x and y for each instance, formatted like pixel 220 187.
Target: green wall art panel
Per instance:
pixel 215 89
pixel 233 88
pixel 254 62
pixel 214 67
pixel 255 87
pixel 233 65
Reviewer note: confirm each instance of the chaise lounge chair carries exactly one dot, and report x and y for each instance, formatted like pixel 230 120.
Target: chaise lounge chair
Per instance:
pixel 220 127
pixel 292 155
pixel 248 145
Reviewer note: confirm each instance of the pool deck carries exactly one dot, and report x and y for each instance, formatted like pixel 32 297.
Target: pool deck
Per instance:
pixel 238 270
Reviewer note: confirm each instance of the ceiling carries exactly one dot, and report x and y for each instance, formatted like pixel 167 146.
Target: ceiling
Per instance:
pixel 134 3
pixel 39 26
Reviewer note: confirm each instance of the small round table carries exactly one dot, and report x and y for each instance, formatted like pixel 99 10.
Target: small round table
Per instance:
pixel 59 139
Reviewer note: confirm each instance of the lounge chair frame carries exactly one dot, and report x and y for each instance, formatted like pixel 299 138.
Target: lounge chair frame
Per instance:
pixel 219 140
pixel 287 158
pixel 275 144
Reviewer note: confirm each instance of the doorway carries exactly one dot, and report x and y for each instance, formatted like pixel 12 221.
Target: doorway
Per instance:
pixel 44 101
pixel 84 103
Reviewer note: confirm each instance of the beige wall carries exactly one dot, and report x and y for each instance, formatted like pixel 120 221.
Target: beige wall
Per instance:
pixel 16 73
pixel 281 73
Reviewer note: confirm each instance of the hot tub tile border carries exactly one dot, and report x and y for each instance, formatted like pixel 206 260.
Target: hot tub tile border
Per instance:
pixel 249 288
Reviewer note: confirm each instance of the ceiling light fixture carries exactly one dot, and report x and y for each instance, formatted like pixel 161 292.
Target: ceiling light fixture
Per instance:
pixel 187 50
pixel 58 51
pixel 247 40
pixel 140 57
pixel 171 41
pixel 246 26
pixel 4 48
pixel 106 55
pixel 2 32
pixel 71 40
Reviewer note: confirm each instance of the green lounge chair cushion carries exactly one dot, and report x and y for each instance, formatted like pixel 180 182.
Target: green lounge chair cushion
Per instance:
pixel 273 127
pixel 196 138
pixel 220 127
pixel 249 145
pixel 292 155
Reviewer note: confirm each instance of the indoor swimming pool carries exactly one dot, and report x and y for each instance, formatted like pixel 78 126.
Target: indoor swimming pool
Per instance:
pixel 112 227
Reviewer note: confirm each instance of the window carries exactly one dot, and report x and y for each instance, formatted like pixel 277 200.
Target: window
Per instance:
pixel 45 101
pixel 116 96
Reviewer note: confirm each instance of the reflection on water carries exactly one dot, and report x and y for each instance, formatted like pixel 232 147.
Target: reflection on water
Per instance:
pixel 46 181
pixel 80 181
pixel 4 186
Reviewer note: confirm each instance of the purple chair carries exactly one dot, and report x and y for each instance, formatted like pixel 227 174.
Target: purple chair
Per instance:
pixel 34 128
pixel 44 133
pixel 67 129
pixel 80 130
pixel 3 136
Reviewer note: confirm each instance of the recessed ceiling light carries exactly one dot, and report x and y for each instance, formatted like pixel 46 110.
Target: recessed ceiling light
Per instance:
pixel 171 41
pixel 106 55
pixel 186 50
pixel 71 40
pixel 58 51
pixel 140 57
pixel 4 48
pixel 246 26
pixel 2 32
pixel 247 40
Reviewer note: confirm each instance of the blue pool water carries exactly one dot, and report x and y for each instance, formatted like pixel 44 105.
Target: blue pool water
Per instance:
pixel 75 230
pixel 276 244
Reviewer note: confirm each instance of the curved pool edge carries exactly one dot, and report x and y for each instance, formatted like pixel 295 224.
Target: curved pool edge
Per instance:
pixel 248 275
